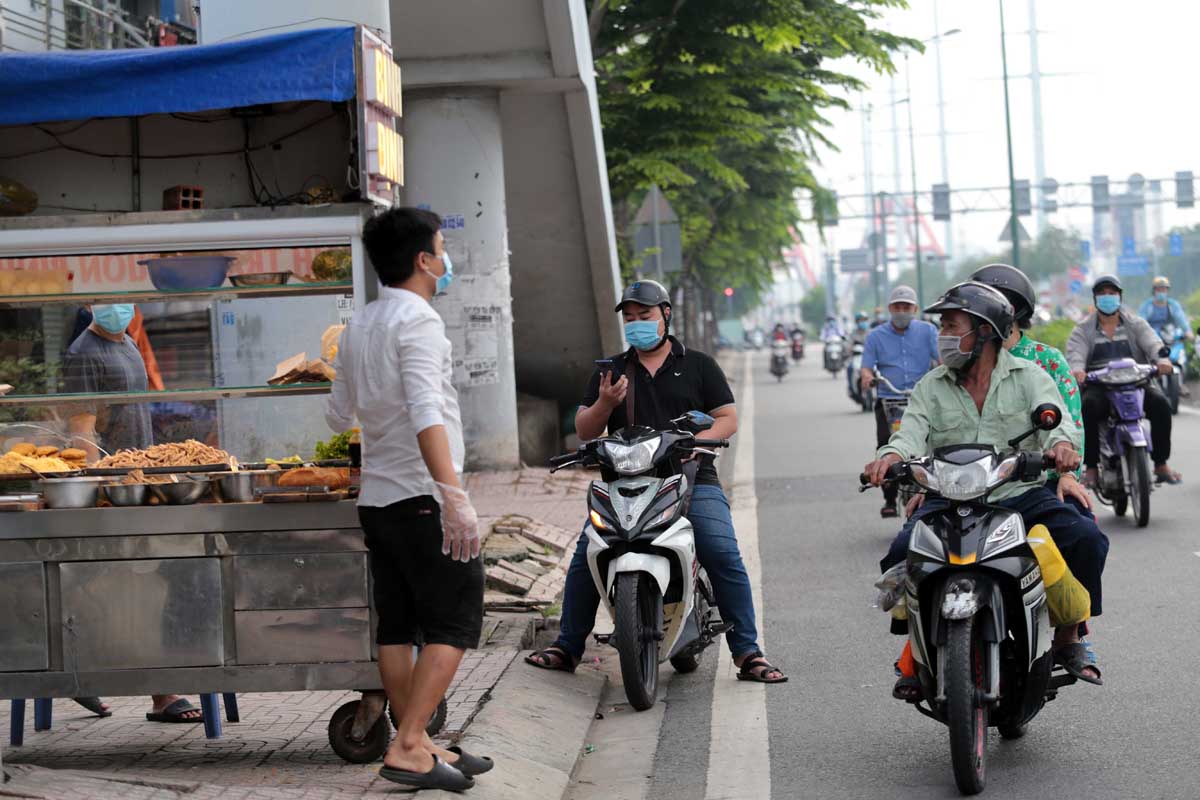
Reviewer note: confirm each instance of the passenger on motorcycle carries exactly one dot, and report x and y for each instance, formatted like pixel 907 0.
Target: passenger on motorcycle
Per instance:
pixel 903 351
pixel 1162 309
pixel 983 395
pixel 832 329
pixel 1018 289
pixel 660 380
pixel 1110 333
pixel 779 334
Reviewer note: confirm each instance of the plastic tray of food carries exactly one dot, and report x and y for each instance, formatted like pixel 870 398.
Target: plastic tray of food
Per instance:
pixel 29 476
pixel 116 472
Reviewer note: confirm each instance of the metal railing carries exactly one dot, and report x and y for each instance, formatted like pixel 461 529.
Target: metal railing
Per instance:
pixel 68 25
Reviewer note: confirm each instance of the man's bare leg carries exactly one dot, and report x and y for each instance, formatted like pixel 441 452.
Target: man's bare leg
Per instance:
pixel 419 690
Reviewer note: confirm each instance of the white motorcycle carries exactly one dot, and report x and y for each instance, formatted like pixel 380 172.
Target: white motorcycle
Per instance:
pixel 642 551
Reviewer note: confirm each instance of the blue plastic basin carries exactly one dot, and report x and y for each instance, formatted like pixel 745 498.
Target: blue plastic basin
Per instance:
pixel 181 273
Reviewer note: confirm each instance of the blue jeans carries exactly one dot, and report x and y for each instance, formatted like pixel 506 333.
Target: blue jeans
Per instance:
pixel 717 550
pixel 1083 546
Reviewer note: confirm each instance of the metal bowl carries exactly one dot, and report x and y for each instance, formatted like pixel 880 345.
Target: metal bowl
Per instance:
pixel 70 492
pixel 126 494
pixel 184 273
pixel 239 487
pixel 189 489
pixel 261 279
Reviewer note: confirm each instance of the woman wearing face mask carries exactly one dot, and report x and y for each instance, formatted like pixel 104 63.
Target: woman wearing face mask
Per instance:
pixel 1114 332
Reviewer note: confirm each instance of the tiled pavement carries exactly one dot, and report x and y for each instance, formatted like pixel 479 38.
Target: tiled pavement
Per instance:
pixel 280 749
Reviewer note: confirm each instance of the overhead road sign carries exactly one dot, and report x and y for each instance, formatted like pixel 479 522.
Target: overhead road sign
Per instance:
pixel 1133 266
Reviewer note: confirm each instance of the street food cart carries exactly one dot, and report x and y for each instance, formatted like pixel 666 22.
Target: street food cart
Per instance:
pixel 269 154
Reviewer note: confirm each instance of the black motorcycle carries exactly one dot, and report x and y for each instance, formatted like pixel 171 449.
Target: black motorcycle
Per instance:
pixel 978 619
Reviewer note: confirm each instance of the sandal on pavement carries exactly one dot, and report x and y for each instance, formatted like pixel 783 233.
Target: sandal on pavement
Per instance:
pixel 889 511
pixel 94 705
pixel 1168 476
pixel 553 658
pixel 442 776
pixel 176 712
pixel 470 765
pixel 909 690
pixel 756 668
pixel 1077 657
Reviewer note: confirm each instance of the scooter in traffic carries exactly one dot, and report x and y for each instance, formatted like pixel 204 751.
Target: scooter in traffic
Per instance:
pixel 779 359
pixel 641 549
pixel 1124 466
pixel 1173 384
pixel 978 619
pixel 835 356
pixel 798 346
pixel 893 412
pixel 864 400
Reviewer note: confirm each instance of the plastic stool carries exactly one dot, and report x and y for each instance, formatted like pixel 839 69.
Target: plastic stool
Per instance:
pixel 43 715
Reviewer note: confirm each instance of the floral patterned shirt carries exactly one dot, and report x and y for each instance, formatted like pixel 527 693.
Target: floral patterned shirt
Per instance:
pixel 1054 363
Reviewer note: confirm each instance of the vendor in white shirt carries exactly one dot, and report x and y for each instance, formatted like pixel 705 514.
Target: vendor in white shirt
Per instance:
pixel 393 377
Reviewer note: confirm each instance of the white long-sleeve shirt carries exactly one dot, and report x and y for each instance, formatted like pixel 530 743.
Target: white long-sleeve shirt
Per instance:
pixel 393 374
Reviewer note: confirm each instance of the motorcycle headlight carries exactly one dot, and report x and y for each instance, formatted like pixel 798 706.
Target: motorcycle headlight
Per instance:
pixel 632 459
pixel 924 477
pixel 1003 471
pixel 1122 375
pixel 962 481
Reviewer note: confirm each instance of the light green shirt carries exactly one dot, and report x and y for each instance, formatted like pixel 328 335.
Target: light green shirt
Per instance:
pixel 941 413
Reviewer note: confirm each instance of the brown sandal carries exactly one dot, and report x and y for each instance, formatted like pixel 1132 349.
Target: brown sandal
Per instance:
pixel 553 658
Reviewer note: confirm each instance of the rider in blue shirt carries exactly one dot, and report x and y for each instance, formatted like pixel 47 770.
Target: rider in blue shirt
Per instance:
pixel 902 350
pixel 1162 309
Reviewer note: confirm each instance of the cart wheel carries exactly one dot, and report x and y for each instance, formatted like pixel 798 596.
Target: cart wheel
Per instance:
pixel 369 749
pixel 436 722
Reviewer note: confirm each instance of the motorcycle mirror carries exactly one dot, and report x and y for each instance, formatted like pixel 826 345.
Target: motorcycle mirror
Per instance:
pixel 695 421
pixel 1046 417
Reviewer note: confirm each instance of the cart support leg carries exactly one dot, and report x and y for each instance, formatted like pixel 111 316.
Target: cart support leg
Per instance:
pixel 211 706
pixel 43 714
pixel 231 707
pixel 16 735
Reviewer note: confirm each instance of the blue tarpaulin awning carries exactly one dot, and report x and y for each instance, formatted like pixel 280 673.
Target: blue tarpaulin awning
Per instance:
pixel 66 85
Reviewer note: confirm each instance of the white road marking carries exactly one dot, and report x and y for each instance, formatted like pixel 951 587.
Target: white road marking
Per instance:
pixel 739 761
pixel 1189 411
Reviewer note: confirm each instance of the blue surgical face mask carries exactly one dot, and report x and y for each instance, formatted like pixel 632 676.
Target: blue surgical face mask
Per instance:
pixel 446 278
pixel 113 318
pixel 1108 303
pixel 643 334
pixel 864 325
pixel 1161 297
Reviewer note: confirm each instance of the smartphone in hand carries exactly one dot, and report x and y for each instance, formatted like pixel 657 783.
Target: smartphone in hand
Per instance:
pixel 604 365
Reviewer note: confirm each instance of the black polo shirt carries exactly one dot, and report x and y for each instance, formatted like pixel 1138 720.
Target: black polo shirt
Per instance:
pixel 687 381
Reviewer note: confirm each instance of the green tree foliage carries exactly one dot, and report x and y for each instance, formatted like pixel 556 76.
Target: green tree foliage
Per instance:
pixel 812 307
pixel 722 104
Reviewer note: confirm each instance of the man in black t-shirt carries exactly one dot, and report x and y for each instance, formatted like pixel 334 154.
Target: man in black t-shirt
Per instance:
pixel 669 380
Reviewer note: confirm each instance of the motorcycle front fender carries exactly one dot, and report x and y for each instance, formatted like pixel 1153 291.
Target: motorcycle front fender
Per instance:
pixel 656 565
pixel 1132 434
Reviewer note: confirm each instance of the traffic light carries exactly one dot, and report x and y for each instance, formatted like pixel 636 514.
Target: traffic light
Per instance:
pixel 729 291
pixel 1185 192
pixel 1049 196
pixel 1100 193
pixel 1023 201
pixel 941 202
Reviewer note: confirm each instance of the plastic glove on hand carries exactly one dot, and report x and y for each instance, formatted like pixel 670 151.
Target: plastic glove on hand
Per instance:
pixel 460 524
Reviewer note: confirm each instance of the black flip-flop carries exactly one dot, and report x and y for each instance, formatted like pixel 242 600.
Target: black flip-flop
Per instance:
pixel 1077 657
pixel 174 713
pixel 94 705
pixel 909 690
pixel 442 776
pixel 756 668
pixel 470 765
pixel 565 662
pixel 889 512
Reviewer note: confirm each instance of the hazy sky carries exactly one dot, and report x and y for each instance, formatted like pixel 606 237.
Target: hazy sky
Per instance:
pixel 1119 97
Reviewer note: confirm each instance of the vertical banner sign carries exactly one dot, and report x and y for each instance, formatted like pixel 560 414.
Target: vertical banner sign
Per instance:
pixel 380 146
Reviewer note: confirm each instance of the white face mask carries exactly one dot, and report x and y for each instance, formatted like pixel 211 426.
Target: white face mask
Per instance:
pixel 950 351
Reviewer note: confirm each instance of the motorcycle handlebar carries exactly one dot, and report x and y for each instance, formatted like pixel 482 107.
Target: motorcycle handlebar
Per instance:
pixel 711 442
pixel 564 459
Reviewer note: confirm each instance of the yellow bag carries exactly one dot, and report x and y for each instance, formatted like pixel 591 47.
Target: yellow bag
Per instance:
pixel 1068 601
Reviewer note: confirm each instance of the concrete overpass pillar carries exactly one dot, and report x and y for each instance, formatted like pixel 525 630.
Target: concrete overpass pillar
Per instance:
pixel 454 164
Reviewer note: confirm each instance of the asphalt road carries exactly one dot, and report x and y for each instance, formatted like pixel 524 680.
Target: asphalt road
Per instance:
pixel 835 731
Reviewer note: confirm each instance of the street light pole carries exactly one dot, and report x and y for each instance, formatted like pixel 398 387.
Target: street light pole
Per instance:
pixel 937 53
pixel 912 161
pixel 1014 226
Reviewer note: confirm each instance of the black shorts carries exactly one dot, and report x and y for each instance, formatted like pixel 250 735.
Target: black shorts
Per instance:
pixel 421 596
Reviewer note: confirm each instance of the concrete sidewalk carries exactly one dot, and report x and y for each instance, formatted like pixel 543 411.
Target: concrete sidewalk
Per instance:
pixel 280 749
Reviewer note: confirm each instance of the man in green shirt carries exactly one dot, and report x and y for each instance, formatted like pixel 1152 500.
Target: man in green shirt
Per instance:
pixel 983 395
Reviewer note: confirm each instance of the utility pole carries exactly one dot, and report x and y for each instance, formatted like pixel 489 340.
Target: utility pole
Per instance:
pixel 937 54
pixel 656 223
pixel 1039 149
pixel 869 187
pixel 881 269
pixel 897 185
pixel 916 209
pixel 1014 226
